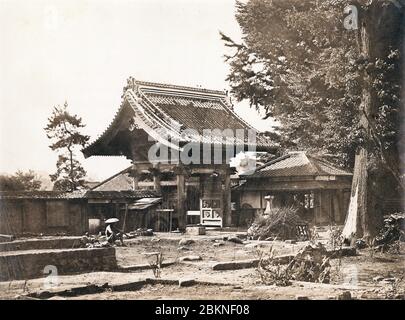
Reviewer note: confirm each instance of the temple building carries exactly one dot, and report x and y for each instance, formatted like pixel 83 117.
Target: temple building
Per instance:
pixel 318 189
pixel 180 141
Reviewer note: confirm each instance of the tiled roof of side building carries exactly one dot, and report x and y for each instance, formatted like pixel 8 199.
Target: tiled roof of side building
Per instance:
pixel 127 194
pixel 298 164
pixel 42 194
pixel 58 195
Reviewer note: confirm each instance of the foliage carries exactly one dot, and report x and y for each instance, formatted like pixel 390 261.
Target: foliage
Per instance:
pixel 391 234
pixel 64 131
pixel 20 181
pixel 299 64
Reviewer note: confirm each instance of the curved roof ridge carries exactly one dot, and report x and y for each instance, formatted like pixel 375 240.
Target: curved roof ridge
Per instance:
pixel 178 87
pixel 101 135
pixel 230 110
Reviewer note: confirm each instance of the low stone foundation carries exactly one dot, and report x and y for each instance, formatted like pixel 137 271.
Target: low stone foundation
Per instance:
pixel 22 265
pixel 46 243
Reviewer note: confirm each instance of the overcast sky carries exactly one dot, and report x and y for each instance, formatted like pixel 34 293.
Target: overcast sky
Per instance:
pixel 83 52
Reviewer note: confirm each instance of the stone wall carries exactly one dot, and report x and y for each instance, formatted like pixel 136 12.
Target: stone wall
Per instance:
pixel 43 216
pixel 30 264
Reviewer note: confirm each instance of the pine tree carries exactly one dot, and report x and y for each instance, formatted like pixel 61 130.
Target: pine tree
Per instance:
pixel 64 131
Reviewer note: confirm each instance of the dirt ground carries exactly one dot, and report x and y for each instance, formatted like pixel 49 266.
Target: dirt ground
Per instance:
pixel 355 274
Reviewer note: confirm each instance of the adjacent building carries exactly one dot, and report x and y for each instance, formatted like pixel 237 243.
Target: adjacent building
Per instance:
pixel 319 189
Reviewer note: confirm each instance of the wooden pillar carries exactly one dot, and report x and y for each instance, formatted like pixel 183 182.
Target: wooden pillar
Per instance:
pixel 326 214
pixel 227 199
pixel 156 179
pixel 135 177
pixel 338 206
pixel 181 197
pixel 317 206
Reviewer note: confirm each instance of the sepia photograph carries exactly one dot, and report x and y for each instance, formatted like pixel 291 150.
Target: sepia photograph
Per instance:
pixel 210 150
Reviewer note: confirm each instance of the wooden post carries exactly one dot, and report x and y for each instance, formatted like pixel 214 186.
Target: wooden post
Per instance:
pixel 135 177
pixel 125 218
pixel 227 198
pixel 317 206
pixel 181 197
pixel 156 179
pixel 135 182
pixel 338 208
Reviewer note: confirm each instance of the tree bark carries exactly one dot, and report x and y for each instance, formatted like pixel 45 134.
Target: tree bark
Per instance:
pixel 374 41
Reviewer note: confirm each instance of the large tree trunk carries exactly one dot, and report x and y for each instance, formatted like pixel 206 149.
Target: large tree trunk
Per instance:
pixel 357 223
pixel 374 39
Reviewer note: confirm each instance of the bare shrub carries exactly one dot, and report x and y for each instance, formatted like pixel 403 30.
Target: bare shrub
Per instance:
pixel 270 271
pixel 335 237
pixel 336 241
pixel 155 260
pixel 314 235
pixel 311 264
pixel 280 223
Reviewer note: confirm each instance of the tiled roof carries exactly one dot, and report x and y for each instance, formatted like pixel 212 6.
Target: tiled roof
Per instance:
pixel 41 195
pixel 129 194
pixel 297 164
pixel 168 110
pixel 56 195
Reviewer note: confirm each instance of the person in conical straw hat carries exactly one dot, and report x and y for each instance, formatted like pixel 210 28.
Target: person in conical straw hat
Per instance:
pixel 112 232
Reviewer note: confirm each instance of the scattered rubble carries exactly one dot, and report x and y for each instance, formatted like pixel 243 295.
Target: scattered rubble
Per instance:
pixel 186 282
pixel 195 230
pixel 94 242
pixel 218 244
pixel 183 248
pixel 234 239
pixel 190 258
pixel 378 278
pixel 389 280
pixel 139 232
pixel 186 242
pixel 235 265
